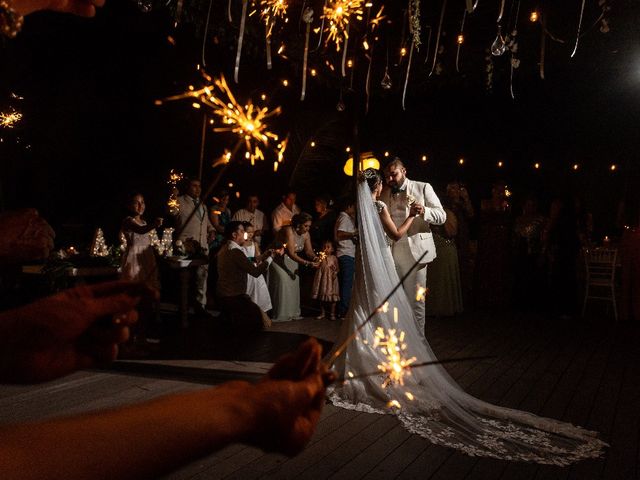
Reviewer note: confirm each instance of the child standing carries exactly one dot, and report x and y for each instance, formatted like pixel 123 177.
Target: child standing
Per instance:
pixel 325 282
pixel 138 259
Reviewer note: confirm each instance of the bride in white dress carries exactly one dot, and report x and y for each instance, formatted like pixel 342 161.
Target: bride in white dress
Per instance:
pixel 431 403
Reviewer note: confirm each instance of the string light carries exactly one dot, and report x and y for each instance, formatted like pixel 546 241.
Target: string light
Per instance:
pixel 460 39
pixel 348 149
pixel 349 63
pixel 263 97
pixel 533 17
pixel 500 164
pixel 536 166
pixel 386 154
pixel 285 82
pixel 613 167
pixel 575 166
pixel 424 158
pixel 313 72
pixel 403 51
pixel 313 144
pixel 461 161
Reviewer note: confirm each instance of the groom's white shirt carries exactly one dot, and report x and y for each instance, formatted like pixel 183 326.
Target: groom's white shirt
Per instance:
pixel 419 235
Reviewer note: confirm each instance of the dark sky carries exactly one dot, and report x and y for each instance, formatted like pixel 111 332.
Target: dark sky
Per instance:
pixel 91 132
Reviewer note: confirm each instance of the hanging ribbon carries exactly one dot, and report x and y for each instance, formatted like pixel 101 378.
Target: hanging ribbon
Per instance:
pixel 426 59
pixel 464 16
pixel 240 38
pixel 435 52
pixel 471 6
pixel 344 53
pixel 179 5
pixel 206 30
pixel 307 17
pixel 406 79
pixel 321 26
pixel 368 81
pixel 268 44
pixel 575 47
pixel 543 47
pixel 229 12
pixel 501 11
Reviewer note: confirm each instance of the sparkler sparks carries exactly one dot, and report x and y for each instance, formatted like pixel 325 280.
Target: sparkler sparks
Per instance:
pixel 271 10
pixel 172 203
pixel 338 14
pixel 10 118
pixel 392 346
pixel 248 122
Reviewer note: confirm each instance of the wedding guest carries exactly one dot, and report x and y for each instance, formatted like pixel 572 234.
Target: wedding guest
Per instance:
pixel 220 216
pixel 461 206
pixel 445 292
pixel 255 217
pixel 346 236
pixel 529 278
pixel 322 226
pixel 325 282
pixel 233 268
pixel 257 288
pixel 493 270
pixel 283 213
pixel 194 229
pixel 139 260
pixel 284 279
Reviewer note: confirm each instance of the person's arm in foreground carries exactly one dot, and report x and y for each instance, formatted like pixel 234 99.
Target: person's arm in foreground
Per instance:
pixel 279 414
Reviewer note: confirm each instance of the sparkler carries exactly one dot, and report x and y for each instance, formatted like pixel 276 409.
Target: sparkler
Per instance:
pixel 248 122
pixel 10 118
pixel 271 11
pixel 338 14
pixel 392 346
pixel 172 203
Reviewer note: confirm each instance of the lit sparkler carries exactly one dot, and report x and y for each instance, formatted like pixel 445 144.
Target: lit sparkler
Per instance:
pixel 248 122
pixel 10 118
pixel 172 203
pixel 392 345
pixel 272 10
pixel 338 14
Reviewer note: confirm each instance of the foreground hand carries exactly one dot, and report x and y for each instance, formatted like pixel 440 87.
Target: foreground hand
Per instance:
pixel 26 237
pixel 83 8
pixel 77 328
pixel 290 399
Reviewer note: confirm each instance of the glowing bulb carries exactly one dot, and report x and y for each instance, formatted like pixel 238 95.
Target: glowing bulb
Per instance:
pixel 500 164
pixel 536 165
pixel 534 16
pixel 313 144
pixel 461 161
pixel 613 167
pixel 313 72
pixel 460 39
pixel 575 166
pixel 285 82
pixel 230 184
pixel 195 105
pixel 365 44
pixel 349 63
pixel 348 149
pixel 403 52
pixel 263 96
pixel 424 158
pixel 386 154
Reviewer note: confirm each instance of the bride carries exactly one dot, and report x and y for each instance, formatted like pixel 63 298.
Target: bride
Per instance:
pixel 429 402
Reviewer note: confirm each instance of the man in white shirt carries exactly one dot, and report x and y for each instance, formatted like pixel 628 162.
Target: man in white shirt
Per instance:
pixel 346 236
pixel 282 214
pixel 194 229
pixel 398 193
pixel 255 217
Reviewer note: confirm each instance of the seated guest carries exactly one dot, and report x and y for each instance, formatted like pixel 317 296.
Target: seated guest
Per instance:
pixel 233 267
pixel 255 217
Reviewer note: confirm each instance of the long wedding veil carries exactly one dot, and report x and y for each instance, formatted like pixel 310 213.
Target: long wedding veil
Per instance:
pixel 431 403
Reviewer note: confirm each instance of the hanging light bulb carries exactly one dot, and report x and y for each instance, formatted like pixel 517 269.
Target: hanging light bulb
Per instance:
pixel 534 16
pixel 460 39
pixel 461 161
pixel 403 52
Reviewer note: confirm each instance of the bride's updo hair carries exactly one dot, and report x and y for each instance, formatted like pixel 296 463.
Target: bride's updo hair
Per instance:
pixel 372 176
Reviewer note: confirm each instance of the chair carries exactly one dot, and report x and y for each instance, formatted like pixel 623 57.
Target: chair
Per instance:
pixel 601 270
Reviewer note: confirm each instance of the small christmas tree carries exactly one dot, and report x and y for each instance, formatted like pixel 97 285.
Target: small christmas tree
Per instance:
pixel 99 247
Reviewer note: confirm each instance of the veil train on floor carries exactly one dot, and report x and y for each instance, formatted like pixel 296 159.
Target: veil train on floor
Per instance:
pixel 432 404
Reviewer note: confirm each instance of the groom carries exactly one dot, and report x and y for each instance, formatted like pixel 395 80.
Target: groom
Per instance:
pixel 397 194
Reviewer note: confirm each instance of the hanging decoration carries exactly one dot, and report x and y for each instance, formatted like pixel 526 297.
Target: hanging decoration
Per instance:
pixel 438 35
pixel 270 12
pixel 206 31
pixel 460 40
pixel 575 47
pixel 243 20
pixel 307 18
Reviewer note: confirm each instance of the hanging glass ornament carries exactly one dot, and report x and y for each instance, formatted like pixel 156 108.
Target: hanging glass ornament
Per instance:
pixel 498 47
pixel 386 80
pixel 145 6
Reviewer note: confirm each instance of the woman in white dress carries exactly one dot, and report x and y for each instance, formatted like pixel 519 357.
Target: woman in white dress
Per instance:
pixel 429 402
pixel 284 280
pixel 256 286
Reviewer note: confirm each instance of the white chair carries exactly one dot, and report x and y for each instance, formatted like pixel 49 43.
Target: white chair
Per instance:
pixel 601 271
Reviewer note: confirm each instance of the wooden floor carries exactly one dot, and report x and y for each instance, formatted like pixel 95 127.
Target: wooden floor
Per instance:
pixel 586 372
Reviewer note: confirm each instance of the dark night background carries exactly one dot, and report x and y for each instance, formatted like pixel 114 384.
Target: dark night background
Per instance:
pixel 91 132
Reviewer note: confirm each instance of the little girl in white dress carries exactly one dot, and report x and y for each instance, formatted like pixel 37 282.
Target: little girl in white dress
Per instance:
pixel 256 286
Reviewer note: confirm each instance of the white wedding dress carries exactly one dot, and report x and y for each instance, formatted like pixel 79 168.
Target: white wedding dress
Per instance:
pixel 440 410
